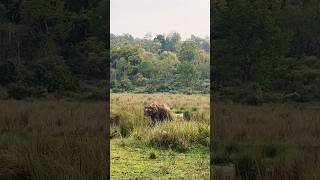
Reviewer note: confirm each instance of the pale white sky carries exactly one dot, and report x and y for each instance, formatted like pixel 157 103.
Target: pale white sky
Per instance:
pixel 138 17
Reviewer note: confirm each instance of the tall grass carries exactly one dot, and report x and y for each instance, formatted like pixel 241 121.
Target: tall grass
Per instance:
pixel 175 134
pixel 271 141
pixel 52 140
pixel 179 135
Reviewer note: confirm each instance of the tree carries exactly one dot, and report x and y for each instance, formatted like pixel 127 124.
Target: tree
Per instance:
pixel 187 74
pixel 123 67
pixel 52 74
pixel 162 40
pixel 188 51
pixel 147 69
pixel 171 42
pixel 98 17
pixel 247 41
pixel 169 58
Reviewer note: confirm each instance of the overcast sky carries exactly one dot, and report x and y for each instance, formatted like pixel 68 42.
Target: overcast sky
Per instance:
pixel 138 17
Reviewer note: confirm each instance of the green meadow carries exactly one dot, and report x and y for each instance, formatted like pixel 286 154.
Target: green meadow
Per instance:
pixel 176 149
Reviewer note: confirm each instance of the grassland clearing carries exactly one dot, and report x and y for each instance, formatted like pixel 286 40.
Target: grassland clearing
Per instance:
pixel 178 148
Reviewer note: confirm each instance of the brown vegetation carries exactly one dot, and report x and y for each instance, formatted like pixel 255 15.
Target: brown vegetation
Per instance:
pixel 52 140
pixel 271 141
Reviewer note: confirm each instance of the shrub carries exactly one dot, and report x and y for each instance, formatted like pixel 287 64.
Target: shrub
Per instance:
pixel 126 85
pixel 163 88
pixel 251 99
pixel 250 94
pixel 116 90
pixel 150 89
pixel 19 91
pixel 52 74
pixel 295 97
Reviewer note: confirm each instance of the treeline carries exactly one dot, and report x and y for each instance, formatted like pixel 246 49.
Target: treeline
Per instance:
pixel 163 63
pixel 266 50
pixel 53 47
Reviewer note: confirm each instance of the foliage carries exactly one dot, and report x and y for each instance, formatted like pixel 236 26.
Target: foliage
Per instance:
pixel 50 47
pixel 271 44
pixel 162 64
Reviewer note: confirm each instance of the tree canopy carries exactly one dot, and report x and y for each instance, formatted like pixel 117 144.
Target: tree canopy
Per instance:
pixel 266 50
pixel 164 63
pixel 52 47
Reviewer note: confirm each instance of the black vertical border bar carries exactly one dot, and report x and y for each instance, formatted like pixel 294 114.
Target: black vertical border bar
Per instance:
pixel 212 99
pixel 107 120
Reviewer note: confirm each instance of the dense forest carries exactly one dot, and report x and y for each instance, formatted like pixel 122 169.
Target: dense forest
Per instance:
pixel 53 47
pixel 60 48
pixel 262 51
pixel 266 50
pixel 163 63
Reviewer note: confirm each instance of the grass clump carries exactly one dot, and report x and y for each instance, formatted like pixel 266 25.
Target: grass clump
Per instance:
pixel 178 135
pixel 152 155
pixel 129 118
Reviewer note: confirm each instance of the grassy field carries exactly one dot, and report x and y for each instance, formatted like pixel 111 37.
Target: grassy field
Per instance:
pixel 272 141
pixel 133 159
pixel 63 139
pixel 52 140
pixel 168 150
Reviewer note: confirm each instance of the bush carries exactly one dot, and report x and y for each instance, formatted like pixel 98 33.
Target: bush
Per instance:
pixel 272 97
pixel 126 85
pixel 250 99
pixel 116 90
pixel 250 94
pixel 52 74
pixel 9 72
pixel 114 84
pixel 19 91
pixel 163 88
pixel 295 97
pixel 150 89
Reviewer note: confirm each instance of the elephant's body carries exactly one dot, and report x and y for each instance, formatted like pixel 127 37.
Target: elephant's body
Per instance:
pixel 158 111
